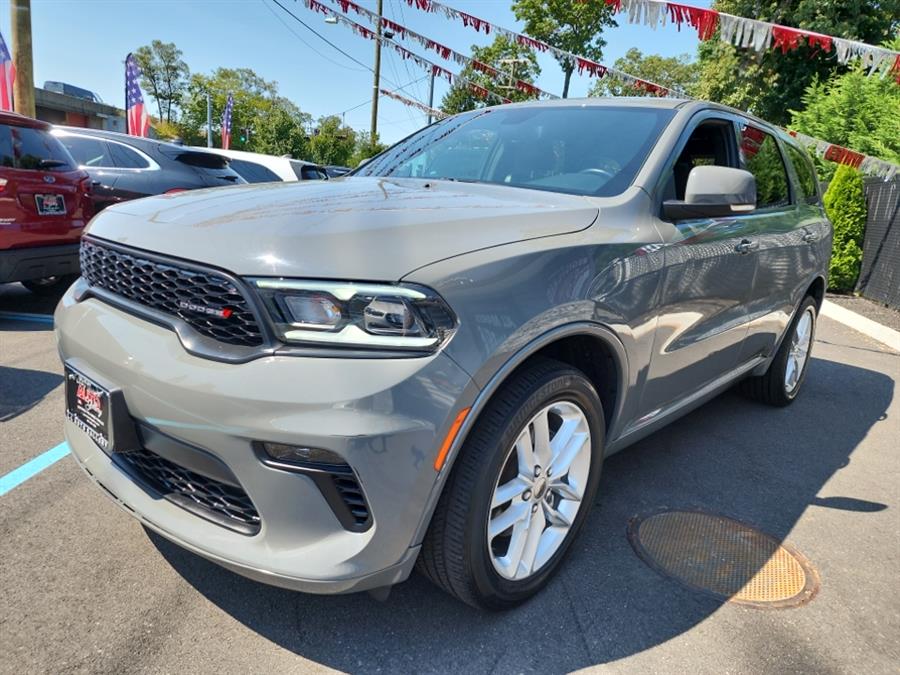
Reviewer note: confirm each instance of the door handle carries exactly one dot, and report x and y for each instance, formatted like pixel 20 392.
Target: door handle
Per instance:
pixel 809 237
pixel 746 246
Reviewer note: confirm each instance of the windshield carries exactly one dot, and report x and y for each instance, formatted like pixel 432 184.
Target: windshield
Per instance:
pixel 583 150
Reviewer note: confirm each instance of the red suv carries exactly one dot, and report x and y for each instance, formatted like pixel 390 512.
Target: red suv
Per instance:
pixel 44 205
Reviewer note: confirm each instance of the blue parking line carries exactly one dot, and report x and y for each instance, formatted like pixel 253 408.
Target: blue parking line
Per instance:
pixel 31 468
pixel 21 316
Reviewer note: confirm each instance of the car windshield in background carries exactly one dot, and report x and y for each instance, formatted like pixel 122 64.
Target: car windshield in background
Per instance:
pixel 583 150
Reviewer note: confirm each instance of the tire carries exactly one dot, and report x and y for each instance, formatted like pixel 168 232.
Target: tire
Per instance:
pixel 456 553
pixel 49 285
pixel 777 387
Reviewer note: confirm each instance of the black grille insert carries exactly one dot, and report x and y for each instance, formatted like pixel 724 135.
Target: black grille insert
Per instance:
pixel 352 495
pixel 206 300
pixel 223 504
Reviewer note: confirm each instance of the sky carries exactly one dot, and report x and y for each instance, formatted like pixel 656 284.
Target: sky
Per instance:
pixel 84 42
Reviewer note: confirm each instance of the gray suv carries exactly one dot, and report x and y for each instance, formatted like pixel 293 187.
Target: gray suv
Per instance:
pixel 323 385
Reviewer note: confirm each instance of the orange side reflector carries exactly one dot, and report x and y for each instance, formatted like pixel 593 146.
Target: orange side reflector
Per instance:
pixel 451 436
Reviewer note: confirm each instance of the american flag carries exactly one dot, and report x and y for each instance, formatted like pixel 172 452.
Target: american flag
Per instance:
pixel 7 76
pixel 135 115
pixel 226 123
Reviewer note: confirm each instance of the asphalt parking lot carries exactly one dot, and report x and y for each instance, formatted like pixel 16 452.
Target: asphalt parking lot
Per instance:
pixel 86 589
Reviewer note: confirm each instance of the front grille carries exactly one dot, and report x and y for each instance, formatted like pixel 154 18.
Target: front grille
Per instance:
pixel 175 290
pixel 352 495
pixel 224 504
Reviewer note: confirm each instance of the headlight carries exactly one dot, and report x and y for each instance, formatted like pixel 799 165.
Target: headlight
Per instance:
pixel 359 316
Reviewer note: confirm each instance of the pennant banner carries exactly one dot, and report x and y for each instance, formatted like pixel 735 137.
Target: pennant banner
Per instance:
pixel 444 52
pixel 434 112
pixel 582 64
pixel 425 64
pixel 836 153
pixel 755 34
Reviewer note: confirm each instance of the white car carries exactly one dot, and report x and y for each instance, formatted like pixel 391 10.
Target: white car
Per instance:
pixel 255 167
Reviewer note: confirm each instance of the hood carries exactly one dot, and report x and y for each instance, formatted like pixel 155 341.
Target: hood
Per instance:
pixel 374 229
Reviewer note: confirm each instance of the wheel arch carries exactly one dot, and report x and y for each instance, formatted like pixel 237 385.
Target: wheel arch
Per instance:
pixel 563 343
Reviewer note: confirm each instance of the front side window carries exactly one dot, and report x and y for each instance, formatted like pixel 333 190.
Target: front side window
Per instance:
pixel 583 150
pixel 762 158
pixel 806 174
pixel 37 149
pixel 90 152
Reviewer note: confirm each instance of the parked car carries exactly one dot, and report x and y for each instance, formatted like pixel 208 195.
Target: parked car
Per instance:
pixel 322 385
pixel 337 171
pixel 124 167
pixel 44 205
pixel 256 167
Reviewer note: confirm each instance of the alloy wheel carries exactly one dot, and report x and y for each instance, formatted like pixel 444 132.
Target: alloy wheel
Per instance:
pixel 539 491
pixel 801 341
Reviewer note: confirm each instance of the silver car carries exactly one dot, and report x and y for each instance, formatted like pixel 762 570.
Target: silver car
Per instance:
pixel 323 385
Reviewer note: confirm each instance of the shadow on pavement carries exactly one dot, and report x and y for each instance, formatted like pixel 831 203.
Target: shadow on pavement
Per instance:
pixel 22 389
pixel 760 465
pixel 17 298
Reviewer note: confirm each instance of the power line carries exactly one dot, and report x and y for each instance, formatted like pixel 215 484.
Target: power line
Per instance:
pixel 313 49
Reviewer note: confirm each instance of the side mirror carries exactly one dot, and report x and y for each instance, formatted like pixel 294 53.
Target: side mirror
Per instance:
pixel 714 192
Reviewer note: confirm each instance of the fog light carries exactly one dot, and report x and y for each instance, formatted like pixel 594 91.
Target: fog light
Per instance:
pixel 298 454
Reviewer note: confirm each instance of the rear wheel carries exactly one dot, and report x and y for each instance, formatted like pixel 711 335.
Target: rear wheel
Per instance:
pixel 782 381
pixel 49 285
pixel 520 490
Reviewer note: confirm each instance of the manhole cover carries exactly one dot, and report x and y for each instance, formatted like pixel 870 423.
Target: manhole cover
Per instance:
pixel 723 557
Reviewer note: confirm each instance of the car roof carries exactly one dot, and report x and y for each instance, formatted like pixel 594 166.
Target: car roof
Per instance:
pixel 17 120
pixel 140 142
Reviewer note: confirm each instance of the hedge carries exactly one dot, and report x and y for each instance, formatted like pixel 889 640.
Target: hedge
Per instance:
pixel 845 204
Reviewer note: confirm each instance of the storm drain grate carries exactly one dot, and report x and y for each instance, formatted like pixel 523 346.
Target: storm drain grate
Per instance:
pixel 723 557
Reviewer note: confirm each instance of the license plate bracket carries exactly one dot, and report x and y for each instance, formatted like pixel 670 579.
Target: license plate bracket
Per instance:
pixel 100 412
pixel 50 204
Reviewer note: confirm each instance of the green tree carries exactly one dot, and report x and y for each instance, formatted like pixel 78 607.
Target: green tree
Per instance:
pixel 859 112
pixel 366 148
pixel 673 72
pixel 845 204
pixel 575 26
pixel 277 126
pixel 332 142
pixel 507 57
pixel 164 76
pixel 770 83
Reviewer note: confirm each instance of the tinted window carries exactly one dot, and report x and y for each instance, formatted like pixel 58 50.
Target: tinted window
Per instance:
pixel 37 149
pixel 587 150
pixel 308 171
pixel 126 158
pixel 253 172
pixel 763 159
pixel 88 151
pixel 805 173
pixel 6 149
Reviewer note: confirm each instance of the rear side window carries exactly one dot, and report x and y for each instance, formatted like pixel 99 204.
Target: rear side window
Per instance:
pixel 806 174
pixel 90 152
pixel 35 149
pixel 308 171
pixel 126 158
pixel 763 159
pixel 253 172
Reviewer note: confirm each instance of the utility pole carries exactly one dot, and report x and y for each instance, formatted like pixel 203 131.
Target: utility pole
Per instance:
pixel 377 82
pixel 430 97
pixel 512 63
pixel 208 121
pixel 23 88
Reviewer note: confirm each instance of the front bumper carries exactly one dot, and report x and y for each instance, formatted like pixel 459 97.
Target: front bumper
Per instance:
pixel 38 262
pixel 385 417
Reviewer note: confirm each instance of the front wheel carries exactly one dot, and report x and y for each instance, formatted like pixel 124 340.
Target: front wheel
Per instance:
pixel 520 490
pixel 782 381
